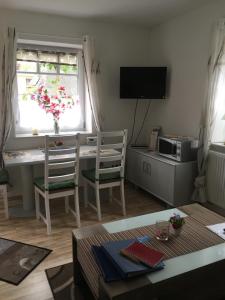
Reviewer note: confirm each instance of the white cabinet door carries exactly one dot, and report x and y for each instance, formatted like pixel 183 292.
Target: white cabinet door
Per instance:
pixel 170 181
pixel 146 173
pixel 152 175
pixel 134 167
pixel 139 169
pixel 162 180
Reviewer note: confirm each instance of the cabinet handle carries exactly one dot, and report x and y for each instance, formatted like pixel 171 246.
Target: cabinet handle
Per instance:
pixel 144 166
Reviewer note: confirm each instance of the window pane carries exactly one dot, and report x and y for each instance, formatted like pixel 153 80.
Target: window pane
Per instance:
pixel 48 89
pixel 27 54
pixel 45 97
pixel 48 57
pixel 48 68
pixel 218 135
pixel 25 66
pixel 66 69
pixel 26 84
pixel 67 58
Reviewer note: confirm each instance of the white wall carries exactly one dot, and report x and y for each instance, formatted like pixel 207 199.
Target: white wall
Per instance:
pixel 183 44
pixel 116 45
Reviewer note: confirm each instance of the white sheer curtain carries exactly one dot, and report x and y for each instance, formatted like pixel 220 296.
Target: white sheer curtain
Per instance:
pixel 91 69
pixel 7 85
pixel 218 132
pixel 211 108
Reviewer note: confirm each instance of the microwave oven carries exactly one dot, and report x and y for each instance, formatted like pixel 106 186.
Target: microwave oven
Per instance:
pixel 179 149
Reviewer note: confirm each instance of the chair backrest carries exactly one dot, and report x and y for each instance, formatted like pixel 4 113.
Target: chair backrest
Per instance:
pixel 118 155
pixel 61 162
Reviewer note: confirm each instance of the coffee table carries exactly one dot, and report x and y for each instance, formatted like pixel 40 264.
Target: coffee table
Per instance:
pixel 197 275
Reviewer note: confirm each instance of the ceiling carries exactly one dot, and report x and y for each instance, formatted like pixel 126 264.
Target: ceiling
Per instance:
pixel 141 12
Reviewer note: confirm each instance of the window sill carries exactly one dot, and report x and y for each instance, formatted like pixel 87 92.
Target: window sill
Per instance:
pixel 218 147
pixel 42 134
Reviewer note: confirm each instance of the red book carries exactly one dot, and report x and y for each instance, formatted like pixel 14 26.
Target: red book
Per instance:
pixel 144 254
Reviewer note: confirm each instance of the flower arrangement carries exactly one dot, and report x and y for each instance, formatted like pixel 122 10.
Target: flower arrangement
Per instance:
pixel 54 102
pixel 177 221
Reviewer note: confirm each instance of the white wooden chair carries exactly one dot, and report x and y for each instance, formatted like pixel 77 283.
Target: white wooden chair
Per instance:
pixel 3 190
pixel 63 182
pixel 107 176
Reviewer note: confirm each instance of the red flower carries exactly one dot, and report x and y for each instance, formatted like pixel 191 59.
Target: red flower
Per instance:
pixel 40 89
pixel 61 88
pixel 55 104
pixel 46 98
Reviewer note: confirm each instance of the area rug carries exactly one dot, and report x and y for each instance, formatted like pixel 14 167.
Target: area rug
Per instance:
pixel 17 260
pixel 61 281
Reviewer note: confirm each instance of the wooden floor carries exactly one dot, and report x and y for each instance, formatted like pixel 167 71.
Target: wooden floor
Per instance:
pixel 29 230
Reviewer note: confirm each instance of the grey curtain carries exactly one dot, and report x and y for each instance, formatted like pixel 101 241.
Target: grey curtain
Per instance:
pixel 7 85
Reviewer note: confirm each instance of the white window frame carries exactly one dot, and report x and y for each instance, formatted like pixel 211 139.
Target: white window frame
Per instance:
pixel 61 47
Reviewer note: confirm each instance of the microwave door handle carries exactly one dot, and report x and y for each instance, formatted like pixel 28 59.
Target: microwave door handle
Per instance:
pixel 173 149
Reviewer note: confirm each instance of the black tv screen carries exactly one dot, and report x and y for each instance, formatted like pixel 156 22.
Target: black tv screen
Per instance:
pixel 143 82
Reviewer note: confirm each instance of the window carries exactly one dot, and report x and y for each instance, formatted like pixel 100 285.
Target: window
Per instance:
pixel 50 86
pixel 218 130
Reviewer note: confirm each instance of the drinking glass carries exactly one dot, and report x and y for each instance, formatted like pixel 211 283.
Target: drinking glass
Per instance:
pixel 162 230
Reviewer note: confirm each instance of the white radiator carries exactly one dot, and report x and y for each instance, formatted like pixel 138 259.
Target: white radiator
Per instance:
pixel 215 178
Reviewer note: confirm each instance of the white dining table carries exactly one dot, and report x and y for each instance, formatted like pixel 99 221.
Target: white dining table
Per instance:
pixel 25 160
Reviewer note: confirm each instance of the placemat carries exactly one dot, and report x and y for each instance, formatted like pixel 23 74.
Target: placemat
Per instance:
pixel 194 236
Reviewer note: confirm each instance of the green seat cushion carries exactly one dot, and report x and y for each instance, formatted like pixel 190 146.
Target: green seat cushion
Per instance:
pixel 53 186
pixel 103 178
pixel 4 176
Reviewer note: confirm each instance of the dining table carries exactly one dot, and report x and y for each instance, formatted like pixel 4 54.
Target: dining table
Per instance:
pixel 26 160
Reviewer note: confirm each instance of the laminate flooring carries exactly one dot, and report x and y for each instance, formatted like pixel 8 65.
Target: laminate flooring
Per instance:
pixel 32 231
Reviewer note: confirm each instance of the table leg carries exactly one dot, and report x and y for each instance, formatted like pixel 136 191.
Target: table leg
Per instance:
pixel 27 187
pixel 81 290
pixel 27 210
pixel 87 165
pixel 76 266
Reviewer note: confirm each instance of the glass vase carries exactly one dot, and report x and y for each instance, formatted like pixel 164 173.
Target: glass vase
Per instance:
pixel 178 231
pixel 56 126
pixel 162 230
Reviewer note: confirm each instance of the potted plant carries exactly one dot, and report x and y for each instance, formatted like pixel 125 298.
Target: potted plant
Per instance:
pixel 177 223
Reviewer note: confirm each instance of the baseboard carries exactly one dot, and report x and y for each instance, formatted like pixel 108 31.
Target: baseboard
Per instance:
pixel 12 194
pixel 138 146
pixel 217 209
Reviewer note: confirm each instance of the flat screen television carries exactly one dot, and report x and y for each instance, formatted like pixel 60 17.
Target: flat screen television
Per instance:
pixel 143 82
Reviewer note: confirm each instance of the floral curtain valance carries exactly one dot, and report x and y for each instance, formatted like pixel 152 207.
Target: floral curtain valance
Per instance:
pixel 31 55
